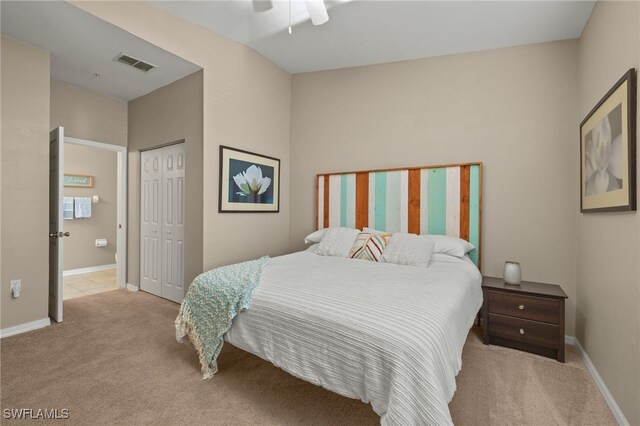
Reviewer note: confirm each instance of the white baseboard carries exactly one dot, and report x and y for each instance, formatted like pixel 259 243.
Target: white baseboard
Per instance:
pixel 89 269
pixel 613 406
pixel 569 340
pixel 132 287
pixel 23 328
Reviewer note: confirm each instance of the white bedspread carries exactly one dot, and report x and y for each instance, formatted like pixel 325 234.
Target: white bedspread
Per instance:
pixel 386 334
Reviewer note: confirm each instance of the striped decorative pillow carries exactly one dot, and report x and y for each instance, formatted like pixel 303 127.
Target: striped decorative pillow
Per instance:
pixel 369 246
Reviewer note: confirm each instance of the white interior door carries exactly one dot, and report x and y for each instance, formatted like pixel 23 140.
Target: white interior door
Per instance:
pixel 162 222
pixel 150 221
pixel 56 223
pixel 173 222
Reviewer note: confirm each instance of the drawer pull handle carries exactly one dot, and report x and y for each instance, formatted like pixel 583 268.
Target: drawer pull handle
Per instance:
pixel 521 331
pixel 521 307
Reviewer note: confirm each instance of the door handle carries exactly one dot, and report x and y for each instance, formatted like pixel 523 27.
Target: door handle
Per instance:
pixel 59 234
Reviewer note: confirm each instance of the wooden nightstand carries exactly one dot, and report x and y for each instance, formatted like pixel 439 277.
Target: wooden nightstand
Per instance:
pixel 529 316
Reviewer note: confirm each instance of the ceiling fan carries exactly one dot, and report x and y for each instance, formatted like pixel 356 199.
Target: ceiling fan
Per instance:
pixel 317 10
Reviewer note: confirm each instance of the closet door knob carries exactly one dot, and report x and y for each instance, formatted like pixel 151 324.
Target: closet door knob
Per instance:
pixel 521 307
pixel 521 331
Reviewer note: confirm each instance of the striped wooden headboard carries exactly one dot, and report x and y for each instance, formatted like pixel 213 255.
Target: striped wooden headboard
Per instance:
pixel 442 200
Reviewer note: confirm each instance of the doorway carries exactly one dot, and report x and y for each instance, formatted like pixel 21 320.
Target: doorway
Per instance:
pixel 59 210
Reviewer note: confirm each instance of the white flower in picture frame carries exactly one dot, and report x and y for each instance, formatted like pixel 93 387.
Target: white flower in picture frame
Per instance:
pixel 603 160
pixel 251 181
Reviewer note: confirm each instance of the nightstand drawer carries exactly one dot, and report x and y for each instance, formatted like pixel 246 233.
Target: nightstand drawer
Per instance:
pixel 522 306
pixel 525 331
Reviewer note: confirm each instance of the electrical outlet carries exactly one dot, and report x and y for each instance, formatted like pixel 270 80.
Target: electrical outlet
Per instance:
pixel 16 287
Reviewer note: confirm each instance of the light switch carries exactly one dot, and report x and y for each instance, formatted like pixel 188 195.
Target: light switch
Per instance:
pixel 96 199
pixel 16 288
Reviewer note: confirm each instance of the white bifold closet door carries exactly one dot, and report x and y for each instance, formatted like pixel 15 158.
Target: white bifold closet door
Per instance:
pixel 162 222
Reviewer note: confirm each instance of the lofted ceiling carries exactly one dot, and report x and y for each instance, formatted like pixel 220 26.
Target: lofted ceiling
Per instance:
pixel 370 32
pixel 82 46
pixel 357 33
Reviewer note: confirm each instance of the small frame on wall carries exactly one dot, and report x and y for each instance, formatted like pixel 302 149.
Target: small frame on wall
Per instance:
pixel 78 181
pixel 249 182
pixel 608 151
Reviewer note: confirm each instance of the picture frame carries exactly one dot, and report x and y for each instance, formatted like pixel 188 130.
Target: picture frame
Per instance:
pixel 78 181
pixel 248 183
pixel 608 150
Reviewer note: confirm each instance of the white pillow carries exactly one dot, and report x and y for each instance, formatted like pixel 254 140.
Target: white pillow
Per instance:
pixel 440 257
pixel 453 246
pixel 444 244
pixel 312 248
pixel 408 249
pixel 337 242
pixel 315 237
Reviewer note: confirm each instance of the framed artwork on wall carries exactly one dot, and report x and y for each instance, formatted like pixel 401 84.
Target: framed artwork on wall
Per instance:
pixel 78 181
pixel 608 150
pixel 249 182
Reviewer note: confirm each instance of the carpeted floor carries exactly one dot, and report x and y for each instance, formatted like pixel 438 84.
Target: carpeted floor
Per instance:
pixel 115 361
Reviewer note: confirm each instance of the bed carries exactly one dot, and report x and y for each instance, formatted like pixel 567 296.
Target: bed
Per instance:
pixel 390 335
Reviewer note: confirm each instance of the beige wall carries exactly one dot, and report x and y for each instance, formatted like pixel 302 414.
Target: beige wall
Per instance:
pixel 608 311
pixel 80 250
pixel 88 115
pixel 247 102
pixel 167 115
pixel 25 181
pixel 514 109
pixel 91 116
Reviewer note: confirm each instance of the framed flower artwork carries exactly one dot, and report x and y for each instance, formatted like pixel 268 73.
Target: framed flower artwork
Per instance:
pixel 608 150
pixel 249 182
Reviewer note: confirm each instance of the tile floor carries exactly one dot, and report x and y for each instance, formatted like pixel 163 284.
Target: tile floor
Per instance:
pixel 91 283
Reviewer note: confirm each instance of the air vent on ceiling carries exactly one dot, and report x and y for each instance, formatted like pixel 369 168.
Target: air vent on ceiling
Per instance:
pixel 134 62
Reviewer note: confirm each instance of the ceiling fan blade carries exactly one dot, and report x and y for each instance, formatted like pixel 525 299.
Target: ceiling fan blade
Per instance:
pixel 318 11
